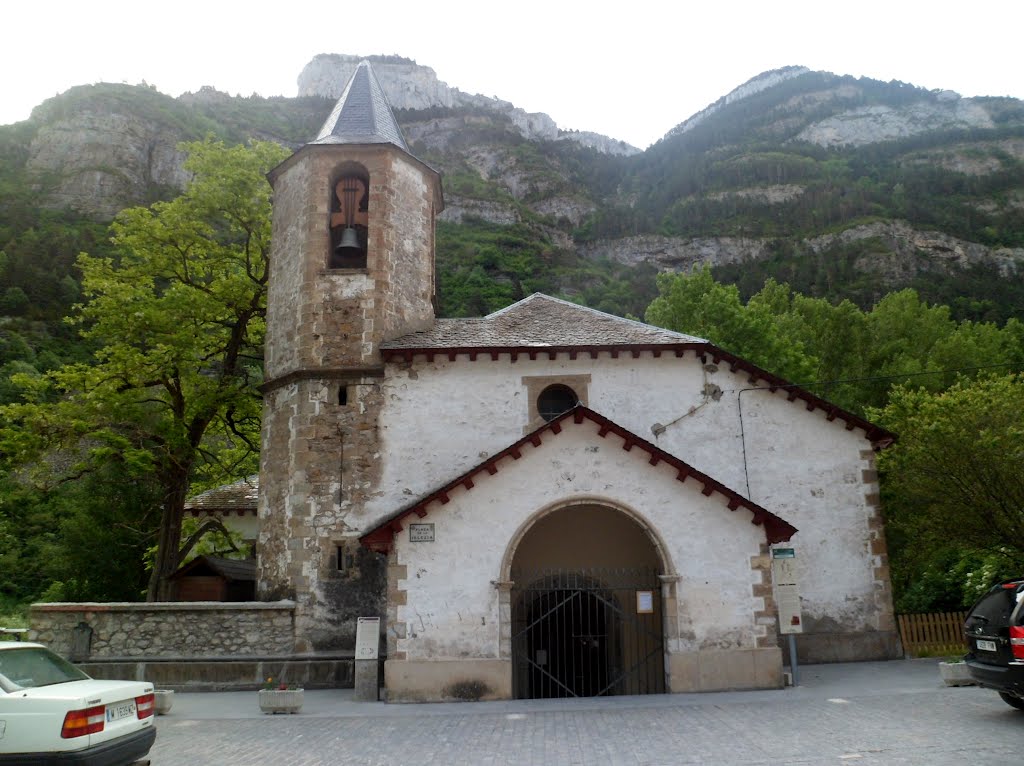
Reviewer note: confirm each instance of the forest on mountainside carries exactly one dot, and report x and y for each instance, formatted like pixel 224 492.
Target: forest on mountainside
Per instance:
pixel 881 325
pixel 742 173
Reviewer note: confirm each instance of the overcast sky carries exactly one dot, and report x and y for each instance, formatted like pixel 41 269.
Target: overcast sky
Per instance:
pixel 631 70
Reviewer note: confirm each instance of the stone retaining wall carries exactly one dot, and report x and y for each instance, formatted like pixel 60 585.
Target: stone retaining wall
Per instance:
pixel 228 674
pixel 188 646
pixel 167 630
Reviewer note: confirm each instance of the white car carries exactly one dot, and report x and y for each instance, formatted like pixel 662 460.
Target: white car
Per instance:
pixel 53 713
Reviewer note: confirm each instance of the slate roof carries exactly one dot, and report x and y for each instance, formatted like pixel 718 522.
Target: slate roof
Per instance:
pixel 541 325
pixel 362 114
pixel 539 320
pixel 240 497
pixel 381 537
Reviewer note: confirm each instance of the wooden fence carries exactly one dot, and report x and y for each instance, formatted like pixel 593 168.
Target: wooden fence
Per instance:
pixel 932 635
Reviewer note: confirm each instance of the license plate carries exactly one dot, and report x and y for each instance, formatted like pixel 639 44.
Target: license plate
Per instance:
pixel 120 710
pixel 985 646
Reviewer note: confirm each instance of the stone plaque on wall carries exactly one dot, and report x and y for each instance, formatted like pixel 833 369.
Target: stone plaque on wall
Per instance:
pixel 421 533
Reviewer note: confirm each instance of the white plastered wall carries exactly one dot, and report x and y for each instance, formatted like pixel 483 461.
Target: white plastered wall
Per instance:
pixel 451 608
pixel 442 418
pixel 811 472
pixel 246 526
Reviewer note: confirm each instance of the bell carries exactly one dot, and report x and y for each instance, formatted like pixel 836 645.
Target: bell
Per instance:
pixel 349 244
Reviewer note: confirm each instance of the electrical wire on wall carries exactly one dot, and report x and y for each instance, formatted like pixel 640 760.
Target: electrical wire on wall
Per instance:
pixel 740 391
pixel 711 392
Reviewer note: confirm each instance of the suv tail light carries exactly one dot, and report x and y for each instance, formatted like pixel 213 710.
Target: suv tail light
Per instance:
pixel 78 723
pixel 1017 641
pixel 144 705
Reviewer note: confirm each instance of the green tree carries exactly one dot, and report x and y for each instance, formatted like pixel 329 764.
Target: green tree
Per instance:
pixel 14 301
pixel 838 337
pixel 27 541
pixel 953 479
pixel 104 522
pixel 696 304
pixel 904 331
pixel 178 321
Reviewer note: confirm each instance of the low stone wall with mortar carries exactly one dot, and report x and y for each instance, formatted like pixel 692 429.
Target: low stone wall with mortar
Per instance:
pixel 188 646
pixel 197 629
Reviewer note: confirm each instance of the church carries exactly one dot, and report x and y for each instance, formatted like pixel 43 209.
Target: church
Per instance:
pixel 547 501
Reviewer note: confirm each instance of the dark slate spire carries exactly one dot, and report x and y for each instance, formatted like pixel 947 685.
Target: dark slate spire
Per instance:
pixel 362 114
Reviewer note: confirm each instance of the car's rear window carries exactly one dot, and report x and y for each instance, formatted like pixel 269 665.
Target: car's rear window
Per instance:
pixel 995 607
pixel 32 666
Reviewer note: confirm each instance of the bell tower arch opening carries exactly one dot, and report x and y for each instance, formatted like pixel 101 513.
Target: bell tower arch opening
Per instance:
pixel 350 217
pixel 586 606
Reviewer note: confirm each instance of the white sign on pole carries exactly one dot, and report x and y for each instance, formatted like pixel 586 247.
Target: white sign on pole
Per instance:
pixel 367 638
pixel 787 591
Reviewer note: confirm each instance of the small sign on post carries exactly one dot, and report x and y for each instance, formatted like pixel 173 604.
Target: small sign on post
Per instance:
pixel 368 638
pixel 787 592
pixel 787 600
pixel 367 681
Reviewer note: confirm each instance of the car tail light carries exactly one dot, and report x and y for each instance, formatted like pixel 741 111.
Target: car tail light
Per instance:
pixel 1017 641
pixel 78 723
pixel 144 705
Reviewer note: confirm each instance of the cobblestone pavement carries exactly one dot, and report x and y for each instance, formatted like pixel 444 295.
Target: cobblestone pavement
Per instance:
pixel 858 713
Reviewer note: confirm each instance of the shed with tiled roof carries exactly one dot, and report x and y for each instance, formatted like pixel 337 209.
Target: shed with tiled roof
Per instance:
pixel 215 578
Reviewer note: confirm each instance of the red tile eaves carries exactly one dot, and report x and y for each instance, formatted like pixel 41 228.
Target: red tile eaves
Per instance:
pixel 381 537
pixel 249 510
pixel 878 436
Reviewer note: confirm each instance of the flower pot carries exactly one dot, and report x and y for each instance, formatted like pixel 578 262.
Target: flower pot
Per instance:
pixel 955 674
pixel 162 701
pixel 280 700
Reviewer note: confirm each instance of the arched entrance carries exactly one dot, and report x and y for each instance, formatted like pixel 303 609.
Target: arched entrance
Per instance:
pixel 587 617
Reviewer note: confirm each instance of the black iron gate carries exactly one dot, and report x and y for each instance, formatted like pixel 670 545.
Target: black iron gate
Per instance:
pixel 587 633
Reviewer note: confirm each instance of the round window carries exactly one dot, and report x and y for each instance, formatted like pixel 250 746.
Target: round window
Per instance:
pixel 556 399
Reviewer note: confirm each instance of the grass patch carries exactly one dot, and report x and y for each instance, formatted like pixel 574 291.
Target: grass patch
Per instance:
pixel 13 615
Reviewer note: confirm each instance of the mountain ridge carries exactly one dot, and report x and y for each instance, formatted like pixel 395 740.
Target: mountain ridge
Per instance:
pixel 740 182
pixel 755 84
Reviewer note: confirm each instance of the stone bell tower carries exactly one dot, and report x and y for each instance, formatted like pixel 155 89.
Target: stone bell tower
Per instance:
pixel 351 266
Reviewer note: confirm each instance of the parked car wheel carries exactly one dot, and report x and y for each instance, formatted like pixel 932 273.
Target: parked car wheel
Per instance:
pixel 1012 701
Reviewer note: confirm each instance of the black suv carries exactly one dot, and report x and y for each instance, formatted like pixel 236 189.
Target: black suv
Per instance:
pixel 995 641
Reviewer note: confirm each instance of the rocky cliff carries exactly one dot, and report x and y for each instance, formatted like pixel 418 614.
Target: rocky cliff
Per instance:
pixel 903 252
pixel 852 122
pixel 411 86
pixel 899 251
pixel 408 85
pixel 104 155
pixel 877 123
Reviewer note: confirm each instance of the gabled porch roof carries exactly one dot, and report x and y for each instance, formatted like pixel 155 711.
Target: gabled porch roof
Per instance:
pixel 381 537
